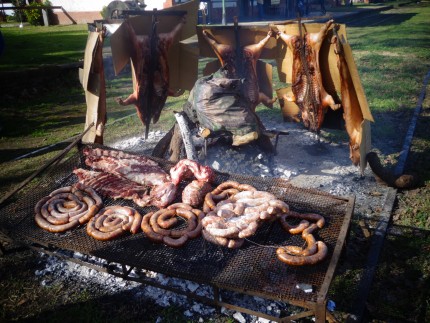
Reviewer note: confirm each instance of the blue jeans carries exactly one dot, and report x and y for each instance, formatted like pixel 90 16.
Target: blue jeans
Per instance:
pixel 260 11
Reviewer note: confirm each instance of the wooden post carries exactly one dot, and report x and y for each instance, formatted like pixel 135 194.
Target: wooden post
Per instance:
pixel 45 17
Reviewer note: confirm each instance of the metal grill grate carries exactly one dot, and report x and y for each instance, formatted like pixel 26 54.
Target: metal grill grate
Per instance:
pixel 254 268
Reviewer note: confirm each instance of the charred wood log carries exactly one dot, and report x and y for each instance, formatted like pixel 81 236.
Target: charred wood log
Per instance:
pixel 186 135
pixel 387 176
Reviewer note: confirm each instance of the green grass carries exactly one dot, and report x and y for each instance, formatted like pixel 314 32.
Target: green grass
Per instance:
pixel 393 59
pixel 32 46
pixel 404 265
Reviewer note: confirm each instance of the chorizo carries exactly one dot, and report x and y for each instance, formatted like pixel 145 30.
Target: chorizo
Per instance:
pixel 113 221
pixel 314 217
pixel 160 226
pixel 299 251
pixel 293 229
pixel 303 260
pixel 232 184
pixel 238 216
pixel 147 229
pixel 195 192
pixel 229 243
pixel 67 207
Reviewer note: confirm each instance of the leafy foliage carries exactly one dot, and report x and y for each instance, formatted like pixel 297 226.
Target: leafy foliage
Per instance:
pixel 34 16
pixel 103 13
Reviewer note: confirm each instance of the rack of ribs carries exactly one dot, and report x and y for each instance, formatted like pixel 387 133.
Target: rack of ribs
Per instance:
pixel 117 174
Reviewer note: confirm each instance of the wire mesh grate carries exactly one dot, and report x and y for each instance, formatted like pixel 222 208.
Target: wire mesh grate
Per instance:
pixel 252 268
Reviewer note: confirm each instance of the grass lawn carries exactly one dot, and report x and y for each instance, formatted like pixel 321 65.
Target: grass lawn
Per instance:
pixel 32 46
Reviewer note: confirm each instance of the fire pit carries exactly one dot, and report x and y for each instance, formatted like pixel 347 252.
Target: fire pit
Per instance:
pixel 252 269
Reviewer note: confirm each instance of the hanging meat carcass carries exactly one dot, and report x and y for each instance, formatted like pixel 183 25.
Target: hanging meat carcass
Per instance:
pixel 351 107
pixel 240 63
pixel 307 86
pixel 151 72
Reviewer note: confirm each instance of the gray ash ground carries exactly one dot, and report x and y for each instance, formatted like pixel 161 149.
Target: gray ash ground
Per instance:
pixel 301 158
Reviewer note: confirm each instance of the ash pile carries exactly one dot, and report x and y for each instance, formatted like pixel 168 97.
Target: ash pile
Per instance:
pixel 303 158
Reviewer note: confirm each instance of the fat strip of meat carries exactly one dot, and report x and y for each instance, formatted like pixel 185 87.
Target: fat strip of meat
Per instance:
pixel 118 154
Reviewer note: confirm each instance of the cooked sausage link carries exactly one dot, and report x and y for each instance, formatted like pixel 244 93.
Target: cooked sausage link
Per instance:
pixel 303 260
pixel 67 207
pixel 160 226
pixel 114 221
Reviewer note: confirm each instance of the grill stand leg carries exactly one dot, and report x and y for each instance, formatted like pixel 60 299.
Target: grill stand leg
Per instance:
pixel 2 250
pixel 320 312
pixel 217 298
pixel 216 293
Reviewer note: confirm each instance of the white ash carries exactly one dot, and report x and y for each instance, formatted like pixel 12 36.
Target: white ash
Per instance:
pixel 140 144
pixel 56 269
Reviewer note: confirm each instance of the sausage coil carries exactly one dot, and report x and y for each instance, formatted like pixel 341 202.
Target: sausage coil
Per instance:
pixel 160 226
pixel 315 251
pixel 294 260
pixel 67 207
pixel 235 211
pixel 113 221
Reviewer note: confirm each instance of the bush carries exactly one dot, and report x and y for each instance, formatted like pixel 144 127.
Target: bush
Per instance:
pixel 34 16
pixel 104 12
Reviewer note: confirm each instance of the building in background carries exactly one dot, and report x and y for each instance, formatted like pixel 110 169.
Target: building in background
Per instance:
pixel 245 10
pixel 84 11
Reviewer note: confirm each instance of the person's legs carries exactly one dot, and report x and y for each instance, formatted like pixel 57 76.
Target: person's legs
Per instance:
pixel 260 11
pixel 301 8
pixel 323 10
